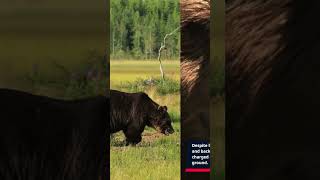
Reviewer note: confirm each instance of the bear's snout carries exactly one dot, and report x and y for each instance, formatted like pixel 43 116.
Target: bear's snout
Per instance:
pixel 169 131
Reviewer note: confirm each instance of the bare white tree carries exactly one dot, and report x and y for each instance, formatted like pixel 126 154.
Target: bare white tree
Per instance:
pixel 163 46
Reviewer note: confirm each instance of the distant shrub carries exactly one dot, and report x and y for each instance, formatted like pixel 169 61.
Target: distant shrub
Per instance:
pixel 88 80
pixel 163 87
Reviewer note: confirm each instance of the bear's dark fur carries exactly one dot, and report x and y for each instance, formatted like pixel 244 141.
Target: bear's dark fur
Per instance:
pixel 272 50
pixel 45 138
pixel 131 112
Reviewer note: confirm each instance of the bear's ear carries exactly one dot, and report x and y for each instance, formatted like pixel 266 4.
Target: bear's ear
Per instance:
pixel 162 108
pixel 165 108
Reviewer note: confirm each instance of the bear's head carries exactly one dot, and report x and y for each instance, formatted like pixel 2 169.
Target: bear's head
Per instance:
pixel 160 120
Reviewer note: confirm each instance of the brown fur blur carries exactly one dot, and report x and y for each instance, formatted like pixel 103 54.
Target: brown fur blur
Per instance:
pixel 254 38
pixel 272 89
pixel 195 54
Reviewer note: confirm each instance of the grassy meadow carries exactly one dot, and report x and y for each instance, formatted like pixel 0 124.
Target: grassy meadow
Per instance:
pixel 34 35
pixel 158 155
pixel 130 70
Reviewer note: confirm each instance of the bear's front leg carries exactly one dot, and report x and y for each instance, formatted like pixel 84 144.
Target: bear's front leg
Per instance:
pixel 133 136
pixel 133 132
pixel 133 140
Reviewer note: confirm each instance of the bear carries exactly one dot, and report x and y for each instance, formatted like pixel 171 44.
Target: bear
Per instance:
pixel 132 112
pixel 195 68
pixel 46 138
pixel 195 59
pixel 272 90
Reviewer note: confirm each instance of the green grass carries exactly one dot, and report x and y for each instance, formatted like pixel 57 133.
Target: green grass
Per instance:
pixel 157 157
pixel 124 70
pixel 162 87
pixel 34 35
pixel 152 157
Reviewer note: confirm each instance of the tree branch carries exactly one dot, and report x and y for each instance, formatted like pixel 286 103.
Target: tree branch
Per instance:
pixel 163 46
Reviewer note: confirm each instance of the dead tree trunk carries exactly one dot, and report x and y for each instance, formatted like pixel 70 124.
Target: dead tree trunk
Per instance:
pixel 163 46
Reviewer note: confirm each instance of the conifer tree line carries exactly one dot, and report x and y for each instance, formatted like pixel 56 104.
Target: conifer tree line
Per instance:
pixel 138 27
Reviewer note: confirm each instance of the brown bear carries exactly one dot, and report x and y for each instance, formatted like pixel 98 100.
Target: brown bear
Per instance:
pixel 195 54
pixel 131 112
pixel 195 60
pixel 272 89
pixel 46 138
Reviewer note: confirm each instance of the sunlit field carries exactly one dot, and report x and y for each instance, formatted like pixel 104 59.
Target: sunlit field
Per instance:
pixel 129 70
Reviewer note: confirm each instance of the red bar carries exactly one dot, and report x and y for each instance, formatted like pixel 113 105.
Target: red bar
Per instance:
pixel 198 170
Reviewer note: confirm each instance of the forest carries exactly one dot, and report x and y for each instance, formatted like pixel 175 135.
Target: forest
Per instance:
pixel 139 26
